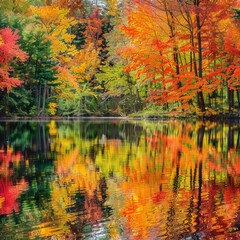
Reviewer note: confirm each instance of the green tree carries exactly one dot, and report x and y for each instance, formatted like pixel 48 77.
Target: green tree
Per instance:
pixel 40 71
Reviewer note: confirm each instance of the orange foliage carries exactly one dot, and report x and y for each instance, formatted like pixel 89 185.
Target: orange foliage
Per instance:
pixel 93 30
pixel 169 51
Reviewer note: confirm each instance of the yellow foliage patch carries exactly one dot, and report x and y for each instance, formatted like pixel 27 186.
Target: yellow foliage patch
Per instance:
pixel 1 41
pixel 52 108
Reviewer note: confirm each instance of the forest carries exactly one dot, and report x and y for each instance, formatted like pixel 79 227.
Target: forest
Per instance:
pixel 119 58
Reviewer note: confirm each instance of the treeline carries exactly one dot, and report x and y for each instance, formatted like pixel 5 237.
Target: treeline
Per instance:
pixel 113 57
pixel 186 53
pixel 50 52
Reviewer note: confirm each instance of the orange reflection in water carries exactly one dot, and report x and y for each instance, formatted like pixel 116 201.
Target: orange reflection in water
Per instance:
pixel 183 185
pixel 148 180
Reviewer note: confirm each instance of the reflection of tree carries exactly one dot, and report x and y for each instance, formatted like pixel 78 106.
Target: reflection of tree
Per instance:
pixel 78 191
pixel 29 170
pixel 146 165
pixel 10 187
pixel 190 161
pixel 9 194
pixel 142 180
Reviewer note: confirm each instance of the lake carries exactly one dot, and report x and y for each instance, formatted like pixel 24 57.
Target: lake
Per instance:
pixel 116 179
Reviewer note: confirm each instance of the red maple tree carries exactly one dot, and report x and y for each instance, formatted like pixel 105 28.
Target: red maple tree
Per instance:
pixel 9 52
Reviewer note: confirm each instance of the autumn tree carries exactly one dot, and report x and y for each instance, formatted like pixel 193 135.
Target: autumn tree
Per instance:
pixel 193 70
pixel 119 90
pixel 55 24
pixel 77 61
pixel 40 71
pixel 231 60
pixel 76 8
pixel 9 52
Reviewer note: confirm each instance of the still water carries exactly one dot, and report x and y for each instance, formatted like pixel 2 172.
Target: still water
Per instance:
pixel 119 180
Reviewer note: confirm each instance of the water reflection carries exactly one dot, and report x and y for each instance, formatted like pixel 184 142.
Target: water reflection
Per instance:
pixel 116 180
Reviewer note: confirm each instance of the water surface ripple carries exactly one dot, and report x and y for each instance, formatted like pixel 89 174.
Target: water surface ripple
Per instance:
pixel 119 180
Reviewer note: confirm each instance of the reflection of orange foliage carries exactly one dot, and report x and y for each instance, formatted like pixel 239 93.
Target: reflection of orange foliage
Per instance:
pixel 75 174
pixel 158 197
pixel 181 178
pixel 6 157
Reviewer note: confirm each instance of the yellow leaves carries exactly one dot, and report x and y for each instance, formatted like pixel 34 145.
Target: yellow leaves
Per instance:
pixel 56 24
pixel 85 62
pixel 88 53
pixel 98 87
pixel 68 37
pixel 57 47
pixel 1 40
pixel 53 16
pixel 80 69
pixel 52 108
pixel 112 7
pixel 2 199
pixel 75 66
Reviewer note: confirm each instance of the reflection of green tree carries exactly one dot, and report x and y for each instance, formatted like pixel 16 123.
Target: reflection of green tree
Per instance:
pixel 91 129
pixel 20 135
pixel 96 138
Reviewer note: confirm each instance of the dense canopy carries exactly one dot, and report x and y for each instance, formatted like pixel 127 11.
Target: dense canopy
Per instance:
pixel 112 57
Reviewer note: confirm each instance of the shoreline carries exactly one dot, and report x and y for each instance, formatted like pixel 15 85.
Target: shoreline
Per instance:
pixel 214 118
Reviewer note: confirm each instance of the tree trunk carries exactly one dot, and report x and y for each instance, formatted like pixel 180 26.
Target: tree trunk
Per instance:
pixel 44 99
pixel 139 105
pixel 238 98
pixel 6 104
pixel 39 90
pixel 200 98
pixel 171 25
pixel 131 98
pixel 230 99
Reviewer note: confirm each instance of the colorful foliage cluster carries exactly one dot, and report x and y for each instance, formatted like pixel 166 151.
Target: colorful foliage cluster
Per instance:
pixel 9 52
pixel 185 52
pixel 68 40
pixel 119 57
